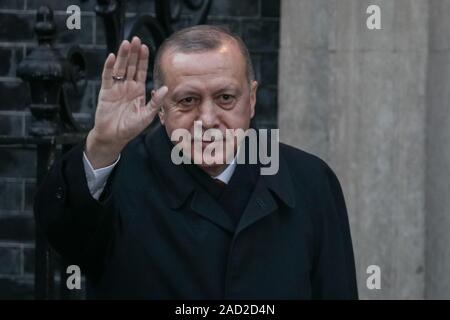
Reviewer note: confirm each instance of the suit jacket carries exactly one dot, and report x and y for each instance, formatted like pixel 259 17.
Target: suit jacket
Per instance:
pixel 158 232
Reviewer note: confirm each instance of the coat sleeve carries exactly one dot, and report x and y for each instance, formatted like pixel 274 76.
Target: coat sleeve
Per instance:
pixel 334 275
pixel 79 227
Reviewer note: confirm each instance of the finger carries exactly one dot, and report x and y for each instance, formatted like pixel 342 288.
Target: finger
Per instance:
pixel 141 74
pixel 107 80
pixel 120 67
pixel 158 98
pixel 133 58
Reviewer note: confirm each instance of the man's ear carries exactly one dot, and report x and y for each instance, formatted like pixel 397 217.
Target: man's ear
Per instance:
pixel 161 110
pixel 253 89
pixel 161 115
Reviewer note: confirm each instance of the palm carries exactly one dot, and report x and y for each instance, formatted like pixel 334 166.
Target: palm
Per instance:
pixel 121 110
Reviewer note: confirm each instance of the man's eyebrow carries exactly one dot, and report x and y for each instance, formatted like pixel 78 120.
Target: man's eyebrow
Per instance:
pixel 183 91
pixel 231 87
pixel 192 90
pixel 227 87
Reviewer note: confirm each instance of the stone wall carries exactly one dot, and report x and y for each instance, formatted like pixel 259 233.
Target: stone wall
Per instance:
pixel 374 105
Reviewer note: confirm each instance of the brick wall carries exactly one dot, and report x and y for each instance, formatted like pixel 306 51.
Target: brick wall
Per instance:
pixel 257 21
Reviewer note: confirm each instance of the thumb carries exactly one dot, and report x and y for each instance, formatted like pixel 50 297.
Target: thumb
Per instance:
pixel 157 99
pixel 156 102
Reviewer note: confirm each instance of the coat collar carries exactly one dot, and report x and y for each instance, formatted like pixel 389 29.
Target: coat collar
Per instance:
pixel 281 183
pixel 180 185
pixel 178 181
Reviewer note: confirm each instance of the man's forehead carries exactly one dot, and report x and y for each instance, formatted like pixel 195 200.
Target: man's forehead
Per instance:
pixel 204 60
pixel 226 57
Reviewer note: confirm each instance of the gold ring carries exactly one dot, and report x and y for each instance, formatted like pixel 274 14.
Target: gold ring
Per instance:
pixel 117 78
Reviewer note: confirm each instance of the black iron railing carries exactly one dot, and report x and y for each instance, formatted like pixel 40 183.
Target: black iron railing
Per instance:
pixel 49 74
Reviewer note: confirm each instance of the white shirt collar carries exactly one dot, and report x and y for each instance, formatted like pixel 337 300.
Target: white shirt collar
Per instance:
pixel 226 174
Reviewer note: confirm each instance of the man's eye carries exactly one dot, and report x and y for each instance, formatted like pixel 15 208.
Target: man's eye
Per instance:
pixel 226 98
pixel 188 101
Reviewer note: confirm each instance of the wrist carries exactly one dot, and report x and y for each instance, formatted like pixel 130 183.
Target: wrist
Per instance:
pixel 101 153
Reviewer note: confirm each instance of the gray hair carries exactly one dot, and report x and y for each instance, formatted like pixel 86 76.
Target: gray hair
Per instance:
pixel 199 38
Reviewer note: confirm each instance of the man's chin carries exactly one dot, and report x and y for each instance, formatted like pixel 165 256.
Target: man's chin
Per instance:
pixel 210 162
pixel 213 169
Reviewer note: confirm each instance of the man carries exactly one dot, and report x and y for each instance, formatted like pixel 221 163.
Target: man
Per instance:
pixel 141 226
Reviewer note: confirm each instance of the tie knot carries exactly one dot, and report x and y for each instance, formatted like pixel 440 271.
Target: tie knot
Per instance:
pixel 220 183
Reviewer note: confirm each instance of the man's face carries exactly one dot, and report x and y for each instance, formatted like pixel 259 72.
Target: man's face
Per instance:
pixel 211 87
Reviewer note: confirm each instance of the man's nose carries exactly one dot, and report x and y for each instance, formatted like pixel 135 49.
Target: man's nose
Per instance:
pixel 208 114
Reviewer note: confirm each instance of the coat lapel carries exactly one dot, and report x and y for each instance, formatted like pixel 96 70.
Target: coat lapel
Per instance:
pixel 268 190
pixel 261 204
pixel 204 205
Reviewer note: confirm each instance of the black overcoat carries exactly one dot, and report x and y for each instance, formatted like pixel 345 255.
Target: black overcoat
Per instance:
pixel 157 233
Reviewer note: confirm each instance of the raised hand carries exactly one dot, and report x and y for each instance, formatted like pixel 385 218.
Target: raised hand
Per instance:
pixel 121 110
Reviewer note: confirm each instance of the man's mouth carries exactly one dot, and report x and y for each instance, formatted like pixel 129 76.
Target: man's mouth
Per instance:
pixel 204 142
